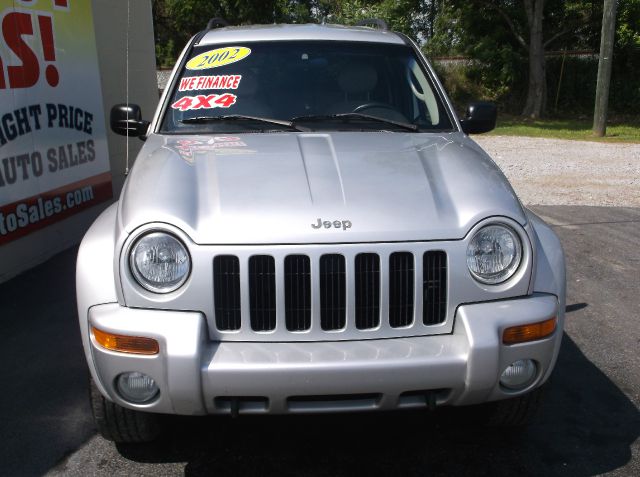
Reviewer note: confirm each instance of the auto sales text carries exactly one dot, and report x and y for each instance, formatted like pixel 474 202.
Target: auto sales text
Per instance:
pixel 22 167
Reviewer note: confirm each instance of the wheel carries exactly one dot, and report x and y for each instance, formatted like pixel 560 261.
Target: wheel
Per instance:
pixel 119 424
pixel 513 412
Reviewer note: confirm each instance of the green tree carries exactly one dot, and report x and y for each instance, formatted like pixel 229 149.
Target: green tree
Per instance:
pixel 503 33
pixel 401 15
pixel 625 77
pixel 177 20
pixel 509 38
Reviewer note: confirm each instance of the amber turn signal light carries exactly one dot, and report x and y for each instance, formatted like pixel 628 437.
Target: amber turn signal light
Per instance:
pixel 530 332
pixel 125 344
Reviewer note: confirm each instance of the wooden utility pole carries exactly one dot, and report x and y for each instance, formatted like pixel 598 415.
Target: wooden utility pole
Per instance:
pixel 604 67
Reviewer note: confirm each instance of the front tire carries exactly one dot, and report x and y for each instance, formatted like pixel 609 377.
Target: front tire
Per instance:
pixel 119 424
pixel 513 412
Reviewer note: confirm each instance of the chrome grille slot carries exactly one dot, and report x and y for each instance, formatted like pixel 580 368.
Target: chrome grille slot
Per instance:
pixel 262 292
pixel 434 309
pixel 226 292
pixel 367 290
pixel 401 289
pixel 332 292
pixel 297 284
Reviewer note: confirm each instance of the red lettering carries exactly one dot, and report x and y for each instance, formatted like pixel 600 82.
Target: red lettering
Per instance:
pixel 46 32
pixel 48 49
pixel 204 101
pixel 3 85
pixel 183 104
pixel 184 84
pixel 14 25
pixel 210 82
pixel 226 100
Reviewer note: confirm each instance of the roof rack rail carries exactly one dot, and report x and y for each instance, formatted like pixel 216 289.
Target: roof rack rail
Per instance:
pixel 381 24
pixel 217 22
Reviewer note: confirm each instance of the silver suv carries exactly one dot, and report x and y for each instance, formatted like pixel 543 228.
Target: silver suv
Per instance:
pixel 308 228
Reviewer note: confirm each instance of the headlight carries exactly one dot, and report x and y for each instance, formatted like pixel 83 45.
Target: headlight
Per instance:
pixel 159 262
pixel 494 254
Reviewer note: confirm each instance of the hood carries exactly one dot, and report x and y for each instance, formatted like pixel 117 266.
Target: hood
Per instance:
pixel 338 187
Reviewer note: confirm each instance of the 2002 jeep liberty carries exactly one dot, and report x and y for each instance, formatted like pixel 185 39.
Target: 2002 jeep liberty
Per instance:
pixel 308 228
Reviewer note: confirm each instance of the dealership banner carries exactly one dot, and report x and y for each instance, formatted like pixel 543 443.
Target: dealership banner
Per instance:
pixel 54 160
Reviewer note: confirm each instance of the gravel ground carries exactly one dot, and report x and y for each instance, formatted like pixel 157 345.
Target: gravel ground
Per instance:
pixel 560 172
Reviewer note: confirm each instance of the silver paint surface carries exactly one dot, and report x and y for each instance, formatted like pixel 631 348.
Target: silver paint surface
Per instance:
pixel 390 186
pixel 197 293
pixel 244 194
pixel 297 32
pixel 192 371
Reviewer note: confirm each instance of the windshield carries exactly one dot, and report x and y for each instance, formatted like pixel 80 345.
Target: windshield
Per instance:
pixel 317 85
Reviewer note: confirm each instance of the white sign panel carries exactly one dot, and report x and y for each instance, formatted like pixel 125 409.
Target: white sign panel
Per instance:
pixel 54 160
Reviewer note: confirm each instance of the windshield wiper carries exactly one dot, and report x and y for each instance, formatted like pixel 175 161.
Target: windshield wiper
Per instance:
pixel 356 116
pixel 240 117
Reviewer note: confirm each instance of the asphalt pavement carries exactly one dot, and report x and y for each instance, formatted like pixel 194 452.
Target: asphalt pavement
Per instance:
pixel 589 424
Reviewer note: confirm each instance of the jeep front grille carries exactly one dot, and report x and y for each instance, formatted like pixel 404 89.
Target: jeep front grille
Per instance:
pixel 226 292
pixel 297 295
pixel 332 292
pixel 366 285
pixel 434 308
pixel 367 288
pixel 401 289
pixel 262 292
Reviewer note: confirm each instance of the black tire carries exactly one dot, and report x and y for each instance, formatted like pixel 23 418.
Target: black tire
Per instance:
pixel 119 424
pixel 513 412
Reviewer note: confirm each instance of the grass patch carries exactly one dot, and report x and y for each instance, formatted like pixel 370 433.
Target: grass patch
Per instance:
pixel 577 129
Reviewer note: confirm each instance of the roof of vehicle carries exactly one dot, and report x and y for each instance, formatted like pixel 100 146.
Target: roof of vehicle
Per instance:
pixel 280 32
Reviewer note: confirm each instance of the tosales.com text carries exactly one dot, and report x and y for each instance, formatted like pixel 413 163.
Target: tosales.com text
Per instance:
pixel 25 214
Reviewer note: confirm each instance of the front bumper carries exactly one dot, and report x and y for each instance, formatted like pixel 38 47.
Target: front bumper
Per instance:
pixel 197 376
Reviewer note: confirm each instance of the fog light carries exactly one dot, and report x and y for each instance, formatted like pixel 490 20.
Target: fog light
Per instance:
pixel 136 387
pixel 519 374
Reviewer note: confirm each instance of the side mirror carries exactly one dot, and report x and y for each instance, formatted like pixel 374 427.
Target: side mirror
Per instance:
pixel 480 118
pixel 126 120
